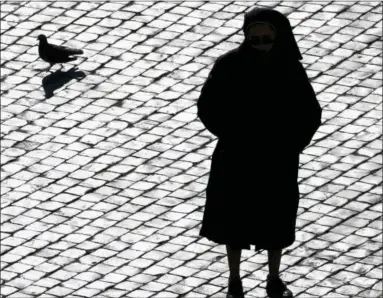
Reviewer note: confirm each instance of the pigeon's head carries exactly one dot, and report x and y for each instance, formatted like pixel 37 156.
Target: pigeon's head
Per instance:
pixel 42 38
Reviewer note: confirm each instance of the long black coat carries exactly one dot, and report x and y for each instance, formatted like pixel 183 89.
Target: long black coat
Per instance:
pixel 263 116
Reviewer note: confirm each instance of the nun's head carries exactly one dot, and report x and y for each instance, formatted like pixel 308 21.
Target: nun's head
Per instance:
pixel 269 31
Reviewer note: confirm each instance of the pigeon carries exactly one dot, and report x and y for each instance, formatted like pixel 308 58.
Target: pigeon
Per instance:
pixel 55 54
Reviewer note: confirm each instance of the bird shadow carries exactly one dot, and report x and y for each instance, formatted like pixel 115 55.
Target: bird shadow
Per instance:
pixel 58 79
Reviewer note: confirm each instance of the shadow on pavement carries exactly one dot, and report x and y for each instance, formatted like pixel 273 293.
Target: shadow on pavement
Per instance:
pixel 58 79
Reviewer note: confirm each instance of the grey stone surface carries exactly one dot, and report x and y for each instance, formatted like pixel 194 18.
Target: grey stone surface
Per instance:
pixel 103 177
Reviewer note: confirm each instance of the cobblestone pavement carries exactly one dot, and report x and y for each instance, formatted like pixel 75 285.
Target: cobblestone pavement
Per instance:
pixel 104 171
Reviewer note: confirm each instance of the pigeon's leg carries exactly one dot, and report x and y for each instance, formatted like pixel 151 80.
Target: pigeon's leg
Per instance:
pixel 50 67
pixel 62 69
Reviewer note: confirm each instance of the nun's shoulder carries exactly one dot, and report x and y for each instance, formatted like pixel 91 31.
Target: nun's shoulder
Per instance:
pixel 229 58
pixel 298 69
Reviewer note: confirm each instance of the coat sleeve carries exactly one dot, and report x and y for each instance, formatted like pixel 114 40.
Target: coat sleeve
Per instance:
pixel 210 104
pixel 309 110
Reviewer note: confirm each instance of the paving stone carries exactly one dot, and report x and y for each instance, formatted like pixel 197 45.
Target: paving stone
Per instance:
pixel 136 233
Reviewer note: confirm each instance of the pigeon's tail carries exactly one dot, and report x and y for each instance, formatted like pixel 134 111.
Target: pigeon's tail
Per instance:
pixel 75 52
pixel 70 59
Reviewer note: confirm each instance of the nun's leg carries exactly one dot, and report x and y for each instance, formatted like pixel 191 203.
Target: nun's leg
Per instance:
pixel 274 258
pixel 234 260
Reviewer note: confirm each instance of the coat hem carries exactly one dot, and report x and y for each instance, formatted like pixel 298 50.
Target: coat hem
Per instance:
pixel 246 245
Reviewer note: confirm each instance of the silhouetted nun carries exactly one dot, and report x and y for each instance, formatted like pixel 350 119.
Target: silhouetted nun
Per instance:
pixel 260 104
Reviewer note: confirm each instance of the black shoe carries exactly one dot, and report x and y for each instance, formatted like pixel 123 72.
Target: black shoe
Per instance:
pixel 235 289
pixel 275 288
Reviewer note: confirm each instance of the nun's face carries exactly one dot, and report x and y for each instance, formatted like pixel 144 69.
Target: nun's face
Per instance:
pixel 262 36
